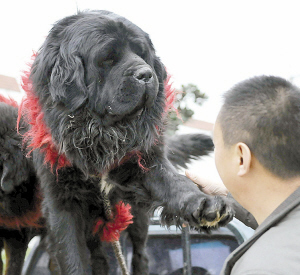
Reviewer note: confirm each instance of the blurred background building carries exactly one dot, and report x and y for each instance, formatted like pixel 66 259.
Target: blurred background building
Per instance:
pixel 9 87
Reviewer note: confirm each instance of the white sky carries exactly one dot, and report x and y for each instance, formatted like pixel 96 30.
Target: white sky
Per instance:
pixel 213 44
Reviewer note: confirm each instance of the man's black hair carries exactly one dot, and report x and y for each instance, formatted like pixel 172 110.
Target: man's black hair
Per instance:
pixel 264 113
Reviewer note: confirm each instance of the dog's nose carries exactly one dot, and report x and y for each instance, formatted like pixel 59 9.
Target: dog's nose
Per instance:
pixel 143 74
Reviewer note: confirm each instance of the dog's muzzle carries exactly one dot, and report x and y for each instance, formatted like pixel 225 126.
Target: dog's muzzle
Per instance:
pixel 137 92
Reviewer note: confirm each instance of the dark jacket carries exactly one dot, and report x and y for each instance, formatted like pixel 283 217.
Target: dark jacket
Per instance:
pixel 275 246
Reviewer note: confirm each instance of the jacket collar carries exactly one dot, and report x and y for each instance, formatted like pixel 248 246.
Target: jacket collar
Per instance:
pixel 278 214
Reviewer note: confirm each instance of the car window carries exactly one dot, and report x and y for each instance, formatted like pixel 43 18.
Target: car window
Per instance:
pixel 166 255
pixel 164 249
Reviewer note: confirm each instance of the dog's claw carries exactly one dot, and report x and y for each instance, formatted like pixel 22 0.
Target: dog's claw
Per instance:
pixel 212 213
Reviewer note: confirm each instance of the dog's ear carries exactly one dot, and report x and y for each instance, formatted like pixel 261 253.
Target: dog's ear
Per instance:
pixel 67 81
pixel 59 69
pixel 160 70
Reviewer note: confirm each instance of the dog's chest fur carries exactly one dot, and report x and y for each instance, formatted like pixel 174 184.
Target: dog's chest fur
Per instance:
pixel 88 193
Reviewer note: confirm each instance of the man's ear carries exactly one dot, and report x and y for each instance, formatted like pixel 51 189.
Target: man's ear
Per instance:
pixel 244 154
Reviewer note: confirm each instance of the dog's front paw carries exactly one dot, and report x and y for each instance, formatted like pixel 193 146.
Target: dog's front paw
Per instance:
pixel 212 213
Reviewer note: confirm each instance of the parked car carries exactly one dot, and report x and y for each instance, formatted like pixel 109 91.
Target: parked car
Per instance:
pixel 165 250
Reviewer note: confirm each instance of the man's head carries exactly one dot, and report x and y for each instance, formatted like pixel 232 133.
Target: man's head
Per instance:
pixel 264 113
pixel 259 125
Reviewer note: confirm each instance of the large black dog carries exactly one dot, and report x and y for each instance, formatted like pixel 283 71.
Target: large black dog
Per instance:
pixel 96 102
pixel 20 213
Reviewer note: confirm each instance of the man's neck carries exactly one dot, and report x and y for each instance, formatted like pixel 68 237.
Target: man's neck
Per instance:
pixel 269 195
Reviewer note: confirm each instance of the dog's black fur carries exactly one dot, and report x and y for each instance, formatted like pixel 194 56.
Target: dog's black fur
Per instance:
pixel 19 199
pixel 101 89
pixel 181 149
pixel 19 191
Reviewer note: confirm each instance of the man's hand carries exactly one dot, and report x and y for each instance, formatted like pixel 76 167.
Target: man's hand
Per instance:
pixel 208 186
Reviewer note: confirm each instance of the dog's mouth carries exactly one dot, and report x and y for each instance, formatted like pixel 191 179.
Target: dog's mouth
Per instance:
pixel 111 117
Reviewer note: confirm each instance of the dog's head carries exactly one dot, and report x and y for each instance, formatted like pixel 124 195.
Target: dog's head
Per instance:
pixel 19 203
pixel 14 167
pixel 100 86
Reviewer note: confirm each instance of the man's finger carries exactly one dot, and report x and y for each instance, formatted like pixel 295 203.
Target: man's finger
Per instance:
pixel 195 179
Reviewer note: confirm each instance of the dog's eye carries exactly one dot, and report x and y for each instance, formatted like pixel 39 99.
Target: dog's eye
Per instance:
pixel 140 52
pixel 139 48
pixel 143 55
pixel 107 62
